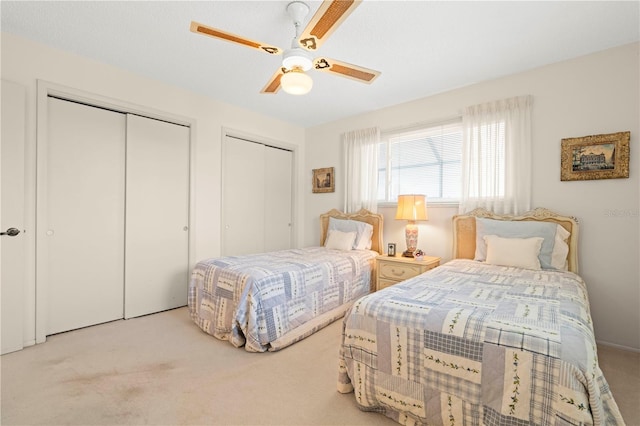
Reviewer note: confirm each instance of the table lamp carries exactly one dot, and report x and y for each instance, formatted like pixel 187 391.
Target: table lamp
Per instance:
pixel 411 208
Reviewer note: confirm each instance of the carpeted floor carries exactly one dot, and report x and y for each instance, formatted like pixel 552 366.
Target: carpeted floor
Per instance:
pixel 162 370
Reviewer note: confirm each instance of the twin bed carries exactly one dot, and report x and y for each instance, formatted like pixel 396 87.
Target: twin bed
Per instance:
pixel 268 301
pixel 500 335
pixel 503 341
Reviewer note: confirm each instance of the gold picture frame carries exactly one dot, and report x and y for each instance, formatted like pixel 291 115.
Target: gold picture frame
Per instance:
pixel 595 157
pixel 323 180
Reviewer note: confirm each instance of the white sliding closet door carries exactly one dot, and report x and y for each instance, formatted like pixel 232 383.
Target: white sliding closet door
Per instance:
pixel 256 197
pixel 277 189
pixel 82 216
pixel 157 216
pixel 243 197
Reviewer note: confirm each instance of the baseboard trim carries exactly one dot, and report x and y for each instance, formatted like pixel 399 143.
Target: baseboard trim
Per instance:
pixel 615 346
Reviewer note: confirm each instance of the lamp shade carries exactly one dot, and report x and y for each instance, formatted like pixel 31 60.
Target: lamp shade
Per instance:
pixel 412 207
pixel 296 82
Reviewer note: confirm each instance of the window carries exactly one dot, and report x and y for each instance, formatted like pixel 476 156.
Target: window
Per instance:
pixel 421 161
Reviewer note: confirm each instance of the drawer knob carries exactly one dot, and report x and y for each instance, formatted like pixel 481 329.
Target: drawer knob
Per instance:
pixel 401 273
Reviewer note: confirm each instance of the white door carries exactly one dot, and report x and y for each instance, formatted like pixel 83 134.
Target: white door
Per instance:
pixel 277 189
pixel 243 197
pixel 12 247
pixel 157 216
pixel 81 208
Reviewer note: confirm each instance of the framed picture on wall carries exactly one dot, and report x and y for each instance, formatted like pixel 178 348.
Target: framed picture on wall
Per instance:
pixel 323 180
pixel 595 157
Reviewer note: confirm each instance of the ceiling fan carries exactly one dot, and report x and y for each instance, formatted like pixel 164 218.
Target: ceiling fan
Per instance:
pixel 298 58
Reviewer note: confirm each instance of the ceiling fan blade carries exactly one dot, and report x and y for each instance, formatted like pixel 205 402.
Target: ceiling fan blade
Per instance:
pixel 327 18
pixel 273 85
pixel 223 35
pixel 343 69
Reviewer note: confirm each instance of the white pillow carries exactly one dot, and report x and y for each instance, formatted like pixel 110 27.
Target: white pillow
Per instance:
pixel 364 242
pixel 516 252
pixel 560 249
pixel 363 231
pixel 340 240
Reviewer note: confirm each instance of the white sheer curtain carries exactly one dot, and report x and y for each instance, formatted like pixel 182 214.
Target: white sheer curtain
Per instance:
pixel 361 169
pixel 496 156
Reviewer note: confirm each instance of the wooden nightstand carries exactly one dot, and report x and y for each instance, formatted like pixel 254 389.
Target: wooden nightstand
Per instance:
pixel 393 269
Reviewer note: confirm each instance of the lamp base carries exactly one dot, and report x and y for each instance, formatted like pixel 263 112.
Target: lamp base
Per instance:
pixel 411 235
pixel 407 253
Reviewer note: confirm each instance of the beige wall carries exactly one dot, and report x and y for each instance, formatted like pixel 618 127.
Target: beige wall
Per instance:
pixel 594 94
pixel 589 95
pixel 25 62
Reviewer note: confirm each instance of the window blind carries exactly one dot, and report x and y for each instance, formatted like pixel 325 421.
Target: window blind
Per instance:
pixel 421 161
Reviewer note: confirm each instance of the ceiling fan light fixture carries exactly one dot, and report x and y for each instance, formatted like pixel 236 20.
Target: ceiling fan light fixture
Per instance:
pixel 296 82
pixel 299 57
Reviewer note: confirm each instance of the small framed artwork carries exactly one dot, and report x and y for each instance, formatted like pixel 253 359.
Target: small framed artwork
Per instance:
pixel 391 249
pixel 595 157
pixel 323 180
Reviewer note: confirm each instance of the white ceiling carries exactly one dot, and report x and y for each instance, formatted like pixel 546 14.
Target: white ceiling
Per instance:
pixel 421 47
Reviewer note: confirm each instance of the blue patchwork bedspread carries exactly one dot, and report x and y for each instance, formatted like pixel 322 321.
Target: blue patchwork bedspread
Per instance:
pixel 270 300
pixel 476 344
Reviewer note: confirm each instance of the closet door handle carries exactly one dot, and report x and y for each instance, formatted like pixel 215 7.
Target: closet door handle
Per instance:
pixel 11 232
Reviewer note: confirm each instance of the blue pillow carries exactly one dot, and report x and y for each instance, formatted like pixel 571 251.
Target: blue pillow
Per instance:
pixel 363 231
pixel 553 254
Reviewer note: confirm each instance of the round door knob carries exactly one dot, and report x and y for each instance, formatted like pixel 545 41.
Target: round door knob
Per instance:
pixel 50 232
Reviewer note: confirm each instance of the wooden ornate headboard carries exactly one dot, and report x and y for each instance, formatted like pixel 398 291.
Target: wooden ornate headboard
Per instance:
pixel 464 231
pixel 363 215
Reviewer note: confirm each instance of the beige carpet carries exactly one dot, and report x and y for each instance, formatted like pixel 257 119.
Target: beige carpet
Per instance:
pixel 162 370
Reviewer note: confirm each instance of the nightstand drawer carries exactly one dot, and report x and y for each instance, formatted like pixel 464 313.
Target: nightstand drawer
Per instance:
pixel 382 283
pixel 391 270
pixel 398 271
